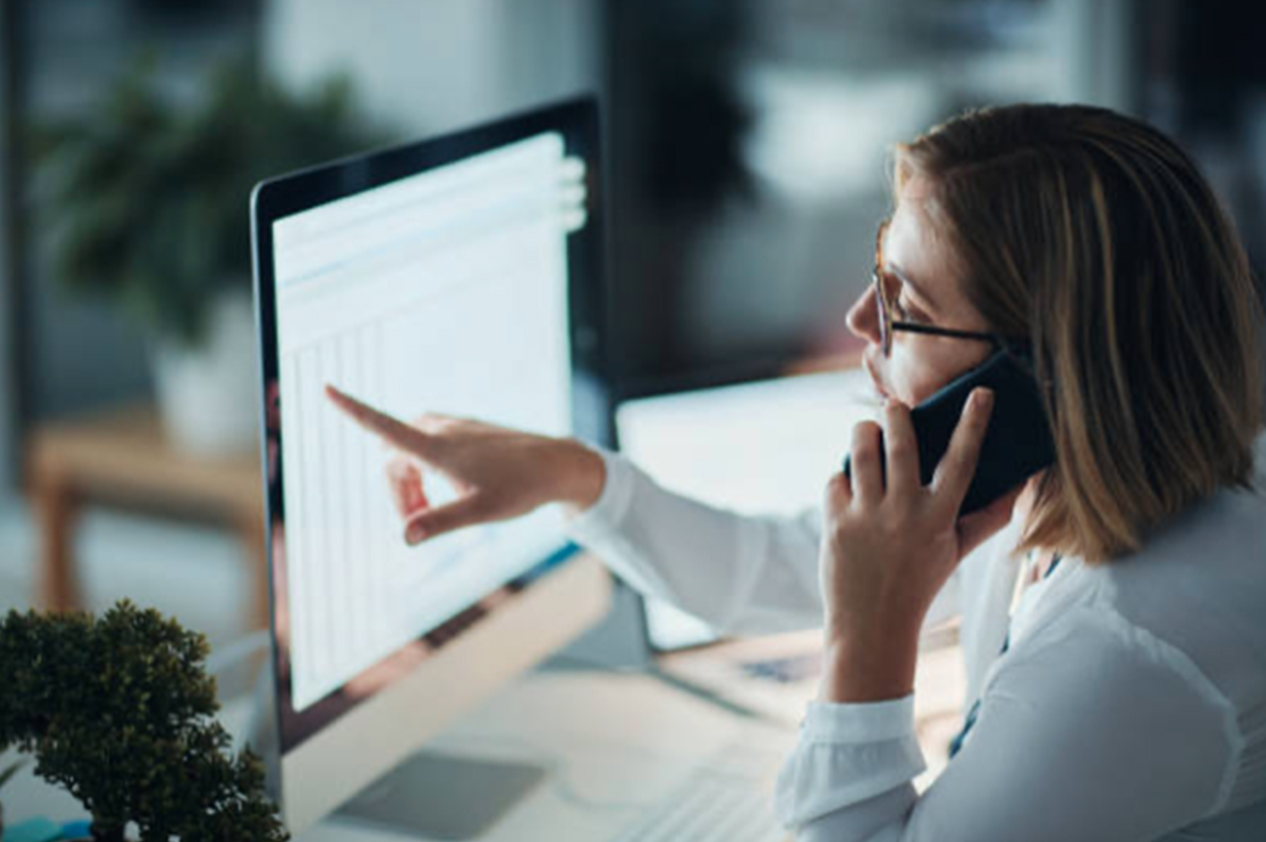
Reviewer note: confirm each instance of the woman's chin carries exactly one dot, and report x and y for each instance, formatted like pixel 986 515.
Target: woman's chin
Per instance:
pixel 871 396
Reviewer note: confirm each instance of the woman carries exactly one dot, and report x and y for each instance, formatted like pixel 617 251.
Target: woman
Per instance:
pixel 1124 697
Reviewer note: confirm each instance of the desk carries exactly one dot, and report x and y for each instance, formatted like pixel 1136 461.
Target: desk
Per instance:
pixel 615 744
pixel 121 457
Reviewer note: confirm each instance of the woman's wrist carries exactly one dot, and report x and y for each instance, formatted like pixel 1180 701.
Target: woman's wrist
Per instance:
pixel 582 475
pixel 868 668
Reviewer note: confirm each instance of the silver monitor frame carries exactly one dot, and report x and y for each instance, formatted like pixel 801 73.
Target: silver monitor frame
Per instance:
pixel 329 752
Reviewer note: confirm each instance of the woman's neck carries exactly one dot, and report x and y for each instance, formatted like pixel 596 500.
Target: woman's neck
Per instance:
pixel 1042 556
pixel 1028 497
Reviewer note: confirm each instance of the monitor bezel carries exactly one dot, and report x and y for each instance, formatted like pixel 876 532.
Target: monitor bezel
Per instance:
pixel 576 120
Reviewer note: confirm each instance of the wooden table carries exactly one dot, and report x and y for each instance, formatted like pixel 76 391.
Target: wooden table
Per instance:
pixel 122 458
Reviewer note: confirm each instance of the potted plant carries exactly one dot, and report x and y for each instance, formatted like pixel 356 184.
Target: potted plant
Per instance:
pixel 147 199
pixel 120 711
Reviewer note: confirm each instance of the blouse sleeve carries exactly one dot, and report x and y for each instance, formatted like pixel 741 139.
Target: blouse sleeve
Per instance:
pixel 1097 732
pixel 741 574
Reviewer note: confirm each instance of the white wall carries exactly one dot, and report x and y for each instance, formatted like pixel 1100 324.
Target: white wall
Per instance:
pixel 429 65
pixel 1095 44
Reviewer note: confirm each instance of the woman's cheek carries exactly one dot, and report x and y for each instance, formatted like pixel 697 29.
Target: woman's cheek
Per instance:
pixel 925 389
pixel 914 384
pixel 916 379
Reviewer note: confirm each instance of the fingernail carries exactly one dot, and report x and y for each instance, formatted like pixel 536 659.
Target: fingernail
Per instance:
pixel 984 399
pixel 414 534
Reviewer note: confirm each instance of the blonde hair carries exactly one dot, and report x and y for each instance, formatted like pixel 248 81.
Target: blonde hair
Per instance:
pixel 1094 236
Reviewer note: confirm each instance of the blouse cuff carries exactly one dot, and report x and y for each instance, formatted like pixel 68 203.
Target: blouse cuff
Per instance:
pixel 612 504
pixel 858 722
pixel 847 755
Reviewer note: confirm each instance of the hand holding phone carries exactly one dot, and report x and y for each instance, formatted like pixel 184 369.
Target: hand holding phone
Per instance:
pixel 1017 444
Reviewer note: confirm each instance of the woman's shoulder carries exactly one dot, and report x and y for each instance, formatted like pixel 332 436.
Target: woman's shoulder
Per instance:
pixel 1196 587
pixel 1103 682
pixel 1218 544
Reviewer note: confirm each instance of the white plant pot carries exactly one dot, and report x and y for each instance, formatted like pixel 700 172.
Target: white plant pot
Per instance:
pixel 206 393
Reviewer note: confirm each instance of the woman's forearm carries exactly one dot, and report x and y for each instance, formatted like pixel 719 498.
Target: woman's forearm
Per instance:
pixel 739 573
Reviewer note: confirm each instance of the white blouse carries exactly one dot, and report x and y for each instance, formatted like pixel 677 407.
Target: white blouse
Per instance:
pixel 1130 704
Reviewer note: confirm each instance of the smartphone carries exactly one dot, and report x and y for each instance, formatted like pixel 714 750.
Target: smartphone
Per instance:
pixel 1017 443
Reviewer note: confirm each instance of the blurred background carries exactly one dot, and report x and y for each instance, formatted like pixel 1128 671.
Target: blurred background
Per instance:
pixel 746 143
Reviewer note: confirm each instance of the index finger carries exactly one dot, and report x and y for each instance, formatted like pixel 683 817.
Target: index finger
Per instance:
pixel 393 431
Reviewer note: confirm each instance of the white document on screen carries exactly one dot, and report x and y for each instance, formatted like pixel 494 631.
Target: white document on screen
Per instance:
pixel 442 292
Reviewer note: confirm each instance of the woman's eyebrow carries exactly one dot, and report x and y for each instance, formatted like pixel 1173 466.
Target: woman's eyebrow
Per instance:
pixel 920 289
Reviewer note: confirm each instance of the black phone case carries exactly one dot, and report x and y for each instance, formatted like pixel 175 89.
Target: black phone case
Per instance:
pixel 1017 443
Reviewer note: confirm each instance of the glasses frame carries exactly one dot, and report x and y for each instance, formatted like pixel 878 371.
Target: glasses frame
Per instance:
pixel 888 325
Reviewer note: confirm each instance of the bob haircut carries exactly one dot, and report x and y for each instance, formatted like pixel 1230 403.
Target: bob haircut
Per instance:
pixel 1094 236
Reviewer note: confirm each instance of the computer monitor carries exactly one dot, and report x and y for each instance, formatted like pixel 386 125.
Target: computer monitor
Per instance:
pixel 459 275
pixel 792 432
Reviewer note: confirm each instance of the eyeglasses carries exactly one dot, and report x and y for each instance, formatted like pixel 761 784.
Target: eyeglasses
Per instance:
pixel 887 324
pixel 884 305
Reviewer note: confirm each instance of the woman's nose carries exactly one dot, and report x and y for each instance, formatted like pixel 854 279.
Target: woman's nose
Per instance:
pixel 863 320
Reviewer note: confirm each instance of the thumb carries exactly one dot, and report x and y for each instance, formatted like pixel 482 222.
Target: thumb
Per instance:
pixel 979 526
pixel 464 511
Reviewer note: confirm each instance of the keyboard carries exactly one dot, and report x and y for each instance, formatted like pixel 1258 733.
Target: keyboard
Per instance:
pixel 724 800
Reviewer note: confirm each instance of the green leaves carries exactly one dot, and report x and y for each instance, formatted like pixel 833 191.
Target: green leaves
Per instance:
pixel 119 711
pixel 147 195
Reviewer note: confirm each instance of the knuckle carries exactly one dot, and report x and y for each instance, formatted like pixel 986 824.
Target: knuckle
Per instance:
pixel 478 507
pixel 838 527
pixel 906 508
pixel 422 441
pixel 901 446
pixel 865 446
pixel 431 423
pixel 441 520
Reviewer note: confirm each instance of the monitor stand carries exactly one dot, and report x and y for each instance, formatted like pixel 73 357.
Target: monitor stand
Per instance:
pixel 443 796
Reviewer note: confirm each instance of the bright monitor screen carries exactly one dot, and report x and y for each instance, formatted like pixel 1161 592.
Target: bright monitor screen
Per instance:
pixel 445 291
